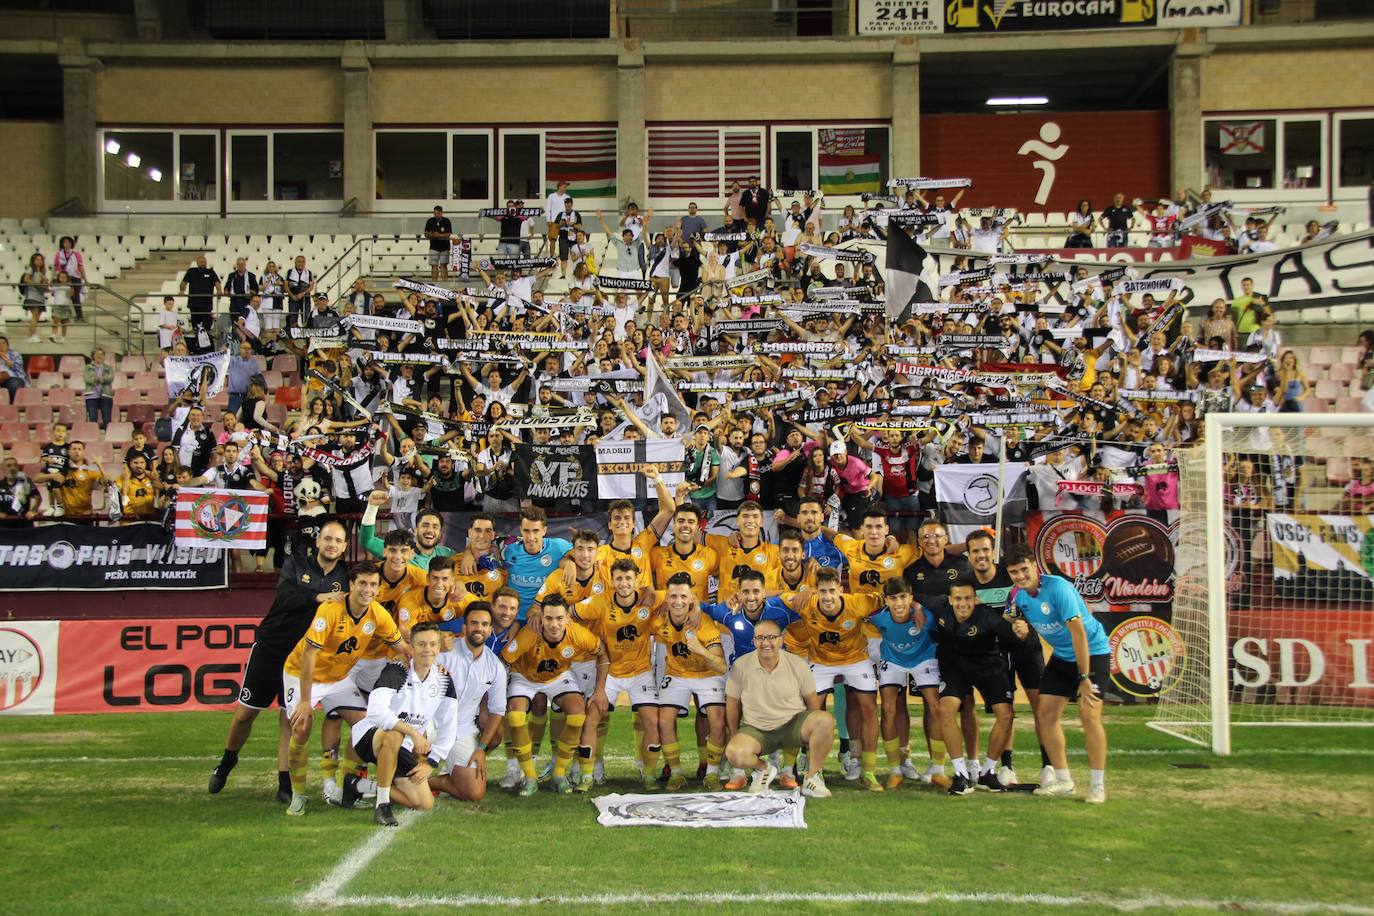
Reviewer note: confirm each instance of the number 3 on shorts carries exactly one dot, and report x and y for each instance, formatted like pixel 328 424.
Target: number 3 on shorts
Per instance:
pixel 666 682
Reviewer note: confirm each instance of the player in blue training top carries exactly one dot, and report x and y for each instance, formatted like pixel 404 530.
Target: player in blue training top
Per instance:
pixel 907 659
pixel 1078 668
pixel 530 560
pixel 811 520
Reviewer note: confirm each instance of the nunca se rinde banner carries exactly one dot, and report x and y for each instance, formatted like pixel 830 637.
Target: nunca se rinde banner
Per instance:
pixel 1307 544
pixel 703 809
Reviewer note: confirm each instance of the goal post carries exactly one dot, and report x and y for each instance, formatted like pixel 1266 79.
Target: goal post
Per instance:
pixel 1274 576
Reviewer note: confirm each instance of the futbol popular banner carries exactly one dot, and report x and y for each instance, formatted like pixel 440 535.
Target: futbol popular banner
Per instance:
pixel 230 519
pixel 102 666
pixel 73 557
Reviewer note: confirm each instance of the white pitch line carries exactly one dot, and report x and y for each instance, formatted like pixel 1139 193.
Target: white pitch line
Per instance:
pixel 326 893
pixel 624 758
pixel 1126 905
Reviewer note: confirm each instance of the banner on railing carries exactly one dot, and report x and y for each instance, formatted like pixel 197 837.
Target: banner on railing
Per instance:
pixel 70 557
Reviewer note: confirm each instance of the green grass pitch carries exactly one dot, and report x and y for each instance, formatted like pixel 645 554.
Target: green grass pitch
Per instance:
pixel 110 814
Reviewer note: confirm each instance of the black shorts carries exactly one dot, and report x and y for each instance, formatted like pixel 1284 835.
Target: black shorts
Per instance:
pixel 405 760
pixel 991 685
pixel 1026 665
pixel 1061 677
pixel 262 677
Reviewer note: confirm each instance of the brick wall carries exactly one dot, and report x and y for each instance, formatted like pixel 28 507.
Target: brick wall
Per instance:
pixel 1272 80
pixel 33 157
pixel 861 90
pixel 271 93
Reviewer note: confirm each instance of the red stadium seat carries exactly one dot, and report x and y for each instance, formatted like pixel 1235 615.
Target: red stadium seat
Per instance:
pixel 1324 356
pixel 1326 388
pixel 42 414
pixel 1349 405
pixel 72 365
pixel 9 413
pixel 26 452
pixel 140 414
pixel 283 364
pixel 85 430
pixel 1314 405
pixel 48 380
pixel 147 381
pixel 132 363
pixel 41 432
pixel 119 432
pixel 28 397
pixel 41 363
pixel 10 433
pixel 288 396
pixel 127 397
pixel 63 397
pixel 1341 372
pixel 70 415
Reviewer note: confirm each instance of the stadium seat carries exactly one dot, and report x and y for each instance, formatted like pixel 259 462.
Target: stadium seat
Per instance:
pixel 1350 354
pixel 41 432
pixel 1349 405
pixel 72 365
pixel 1324 356
pixel 12 433
pixel 1326 388
pixel 9 413
pixel 48 380
pixel 283 363
pixel 289 396
pixel 1341 371
pixel 43 362
pixel 62 397
pixel 119 431
pixel 26 452
pixel 132 363
pixel 126 397
pixel 1314 405
pixel 85 430
pixel 141 414
pixel 69 415
pixel 29 397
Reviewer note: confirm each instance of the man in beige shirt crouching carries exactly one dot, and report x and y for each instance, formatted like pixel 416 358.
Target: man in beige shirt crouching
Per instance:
pixel 771 703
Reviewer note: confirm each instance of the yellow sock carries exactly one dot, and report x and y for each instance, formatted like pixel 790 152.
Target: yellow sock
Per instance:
pixel 566 741
pixel 672 755
pixel 894 752
pixel 538 722
pixel 789 756
pixel 297 760
pixel 713 754
pixel 640 753
pixel 868 760
pixel 329 763
pixel 520 742
pixel 938 753
pixel 650 760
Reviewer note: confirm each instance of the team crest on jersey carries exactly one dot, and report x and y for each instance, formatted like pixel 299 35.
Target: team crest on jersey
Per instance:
pixel 597 588
pixel 760 558
pixel 1044 607
pixel 493 576
pixel 546 560
pixel 368 628
pixel 913 631
pixel 636 552
pixel 848 624
pixel 404 615
pixel 888 562
pixel 739 624
pixel 433 690
pixel 698 565
pixel 447 614
pixel 642 613
pixel 567 652
pixel 306 578
pixel 319 624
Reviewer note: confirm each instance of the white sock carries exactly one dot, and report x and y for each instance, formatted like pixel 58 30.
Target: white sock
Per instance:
pixel 959 767
pixel 1062 775
pixel 383 796
pixel 1097 779
pixel 736 773
pixel 989 766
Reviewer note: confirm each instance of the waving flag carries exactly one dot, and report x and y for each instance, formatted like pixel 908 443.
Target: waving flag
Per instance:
pixel 968 496
pixel 229 519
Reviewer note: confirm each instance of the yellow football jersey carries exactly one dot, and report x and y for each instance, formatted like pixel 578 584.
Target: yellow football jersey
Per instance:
pixel 77 488
pixel 415 608
pixel 342 640
pixel 734 560
pixel 536 659
pixel 838 640
pixel 641 548
pixel 679 660
pixel 572 588
pixel 138 496
pixel 481 585
pixel 414 578
pixel 794 638
pixel 700 564
pixel 625 630
pixel 867 574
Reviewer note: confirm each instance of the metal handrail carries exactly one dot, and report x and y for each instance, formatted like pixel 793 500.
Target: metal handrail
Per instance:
pixel 134 341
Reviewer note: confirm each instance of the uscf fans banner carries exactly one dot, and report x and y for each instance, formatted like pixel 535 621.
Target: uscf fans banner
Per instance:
pixel 142 555
pixel 102 666
pixel 221 518
pixel 547 473
pixel 620 467
pixel 1317 554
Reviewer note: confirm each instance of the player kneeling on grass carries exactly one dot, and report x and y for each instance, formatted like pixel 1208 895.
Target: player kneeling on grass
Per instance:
pixel 1078 669
pixel 771 703
pixel 970 658
pixel 405 702
pixel 478 676
pixel 317 671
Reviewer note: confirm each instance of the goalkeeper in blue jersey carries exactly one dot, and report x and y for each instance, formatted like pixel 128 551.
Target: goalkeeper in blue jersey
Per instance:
pixel 530 559
pixel 1078 669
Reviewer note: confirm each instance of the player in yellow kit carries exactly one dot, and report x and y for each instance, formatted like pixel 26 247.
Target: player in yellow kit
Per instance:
pixel 317 671
pixel 625 543
pixel 399 576
pixel 837 630
pixel 794 571
pixel 540 659
pixel 744 550
pixel 694 669
pixel 685 555
pixel 621 619
pixel 436 602
pixel 484 574
pixel 872 559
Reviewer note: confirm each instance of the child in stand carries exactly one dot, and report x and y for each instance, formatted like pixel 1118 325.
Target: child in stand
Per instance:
pixel 405 499
pixel 168 325
pixel 63 309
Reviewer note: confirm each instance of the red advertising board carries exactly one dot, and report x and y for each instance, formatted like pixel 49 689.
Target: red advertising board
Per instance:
pixel 1049 160
pixel 1304 656
pixel 151 665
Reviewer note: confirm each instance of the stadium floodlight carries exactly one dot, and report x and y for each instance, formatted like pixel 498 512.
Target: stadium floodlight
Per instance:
pixel 112 147
pixel 132 160
pixel 1014 100
pixel 155 174
pixel 1271 597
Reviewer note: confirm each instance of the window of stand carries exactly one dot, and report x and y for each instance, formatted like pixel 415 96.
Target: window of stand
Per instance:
pixel 841 161
pixel 421 167
pixel 1249 156
pixel 285 170
pixel 159 170
pixel 1355 154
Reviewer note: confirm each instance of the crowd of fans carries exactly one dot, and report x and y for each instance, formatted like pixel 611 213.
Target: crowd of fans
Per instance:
pixel 1089 383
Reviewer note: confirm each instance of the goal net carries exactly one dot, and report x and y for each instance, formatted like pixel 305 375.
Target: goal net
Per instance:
pixel 1274 589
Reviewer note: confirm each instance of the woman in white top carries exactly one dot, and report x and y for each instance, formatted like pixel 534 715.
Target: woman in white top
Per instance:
pixel 1081 223
pixel 273 290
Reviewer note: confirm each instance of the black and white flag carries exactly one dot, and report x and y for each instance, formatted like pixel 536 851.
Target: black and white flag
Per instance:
pixel 969 496
pixel 904 263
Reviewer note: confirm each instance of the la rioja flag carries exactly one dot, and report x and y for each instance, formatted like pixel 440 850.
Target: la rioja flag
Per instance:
pixel 221 518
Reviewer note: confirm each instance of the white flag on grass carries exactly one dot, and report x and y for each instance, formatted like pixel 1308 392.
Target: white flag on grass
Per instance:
pixel 703 809
pixel 620 467
pixel 969 496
